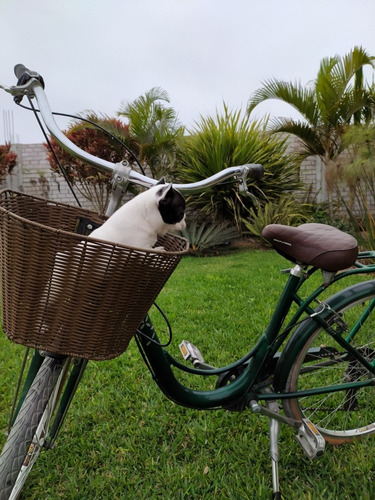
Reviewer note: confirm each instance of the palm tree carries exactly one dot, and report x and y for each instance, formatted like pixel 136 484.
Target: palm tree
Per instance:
pixel 155 128
pixel 337 98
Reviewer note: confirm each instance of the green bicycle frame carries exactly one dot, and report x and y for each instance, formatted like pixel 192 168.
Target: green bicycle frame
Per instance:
pixel 241 389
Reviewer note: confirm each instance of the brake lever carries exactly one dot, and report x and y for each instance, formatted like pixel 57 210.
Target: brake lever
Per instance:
pixel 242 178
pixel 18 91
pixel 256 172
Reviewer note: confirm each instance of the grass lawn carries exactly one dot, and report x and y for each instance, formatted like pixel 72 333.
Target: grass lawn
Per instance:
pixel 123 439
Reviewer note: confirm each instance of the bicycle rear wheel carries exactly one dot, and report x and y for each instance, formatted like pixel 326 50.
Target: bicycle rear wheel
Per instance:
pixel 346 414
pixel 29 432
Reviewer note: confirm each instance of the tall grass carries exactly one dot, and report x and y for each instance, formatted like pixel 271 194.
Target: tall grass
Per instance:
pixel 123 439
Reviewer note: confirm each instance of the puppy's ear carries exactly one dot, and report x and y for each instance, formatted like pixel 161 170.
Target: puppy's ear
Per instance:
pixel 161 181
pixel 165 192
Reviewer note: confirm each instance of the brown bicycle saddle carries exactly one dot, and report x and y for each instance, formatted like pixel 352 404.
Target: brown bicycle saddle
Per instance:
pixel 317 245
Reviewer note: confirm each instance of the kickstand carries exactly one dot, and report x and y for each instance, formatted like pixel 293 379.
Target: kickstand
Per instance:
pixel 274 448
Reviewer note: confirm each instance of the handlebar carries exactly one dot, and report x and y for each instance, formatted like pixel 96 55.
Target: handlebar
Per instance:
pixel 32 84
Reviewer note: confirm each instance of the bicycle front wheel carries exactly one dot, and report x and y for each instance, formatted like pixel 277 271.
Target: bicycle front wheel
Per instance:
pixel 29 432
pixel 346 414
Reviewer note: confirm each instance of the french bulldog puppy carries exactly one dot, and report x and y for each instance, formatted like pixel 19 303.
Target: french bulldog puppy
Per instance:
pixel 139 221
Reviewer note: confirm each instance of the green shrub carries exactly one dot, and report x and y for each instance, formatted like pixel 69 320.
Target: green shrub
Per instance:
pixel 207 237
pixel 228 140
pixel 321 215
pixel 286 211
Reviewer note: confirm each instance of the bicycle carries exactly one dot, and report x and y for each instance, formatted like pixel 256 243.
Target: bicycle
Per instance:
pixel 315 356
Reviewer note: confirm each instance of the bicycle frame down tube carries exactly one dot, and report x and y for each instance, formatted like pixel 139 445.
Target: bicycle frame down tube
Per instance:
pixel 178 393
pixel 235 391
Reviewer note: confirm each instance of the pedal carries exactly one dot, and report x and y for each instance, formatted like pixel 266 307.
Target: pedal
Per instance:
pixel 191 353
pixel 312 442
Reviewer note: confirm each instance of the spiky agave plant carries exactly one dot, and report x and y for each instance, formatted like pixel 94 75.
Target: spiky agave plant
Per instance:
pixel 206 237
pixel 231 139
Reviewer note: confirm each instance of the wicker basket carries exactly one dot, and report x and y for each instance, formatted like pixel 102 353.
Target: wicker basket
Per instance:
pixel 68 293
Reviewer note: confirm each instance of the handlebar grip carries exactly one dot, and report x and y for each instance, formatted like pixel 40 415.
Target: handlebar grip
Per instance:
pixel 24 75
pixel 19 70
pixel 256 172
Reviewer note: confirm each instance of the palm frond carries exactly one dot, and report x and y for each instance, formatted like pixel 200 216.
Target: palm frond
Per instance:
pixel 155 129
pixel 309 136
pixel 340 87
pixel 300 97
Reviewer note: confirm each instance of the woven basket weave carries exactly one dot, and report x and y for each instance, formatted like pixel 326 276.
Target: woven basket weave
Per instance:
pixel 70 294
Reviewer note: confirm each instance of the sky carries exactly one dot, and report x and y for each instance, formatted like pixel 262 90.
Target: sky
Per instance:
pixel 96 54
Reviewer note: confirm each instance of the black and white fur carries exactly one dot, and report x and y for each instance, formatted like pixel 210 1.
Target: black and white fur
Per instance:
pixel 139 222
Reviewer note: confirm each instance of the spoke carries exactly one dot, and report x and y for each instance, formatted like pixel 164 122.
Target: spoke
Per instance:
pixel 321 412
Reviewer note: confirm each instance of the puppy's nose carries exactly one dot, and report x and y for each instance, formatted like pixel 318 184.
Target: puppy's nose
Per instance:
pixel 181 225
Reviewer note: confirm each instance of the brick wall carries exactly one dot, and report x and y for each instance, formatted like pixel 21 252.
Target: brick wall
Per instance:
pixel 32 175
pixel 311 173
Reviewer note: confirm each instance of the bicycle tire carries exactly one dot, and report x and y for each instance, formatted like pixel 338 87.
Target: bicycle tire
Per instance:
pixel 29 432
pixel 344 415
